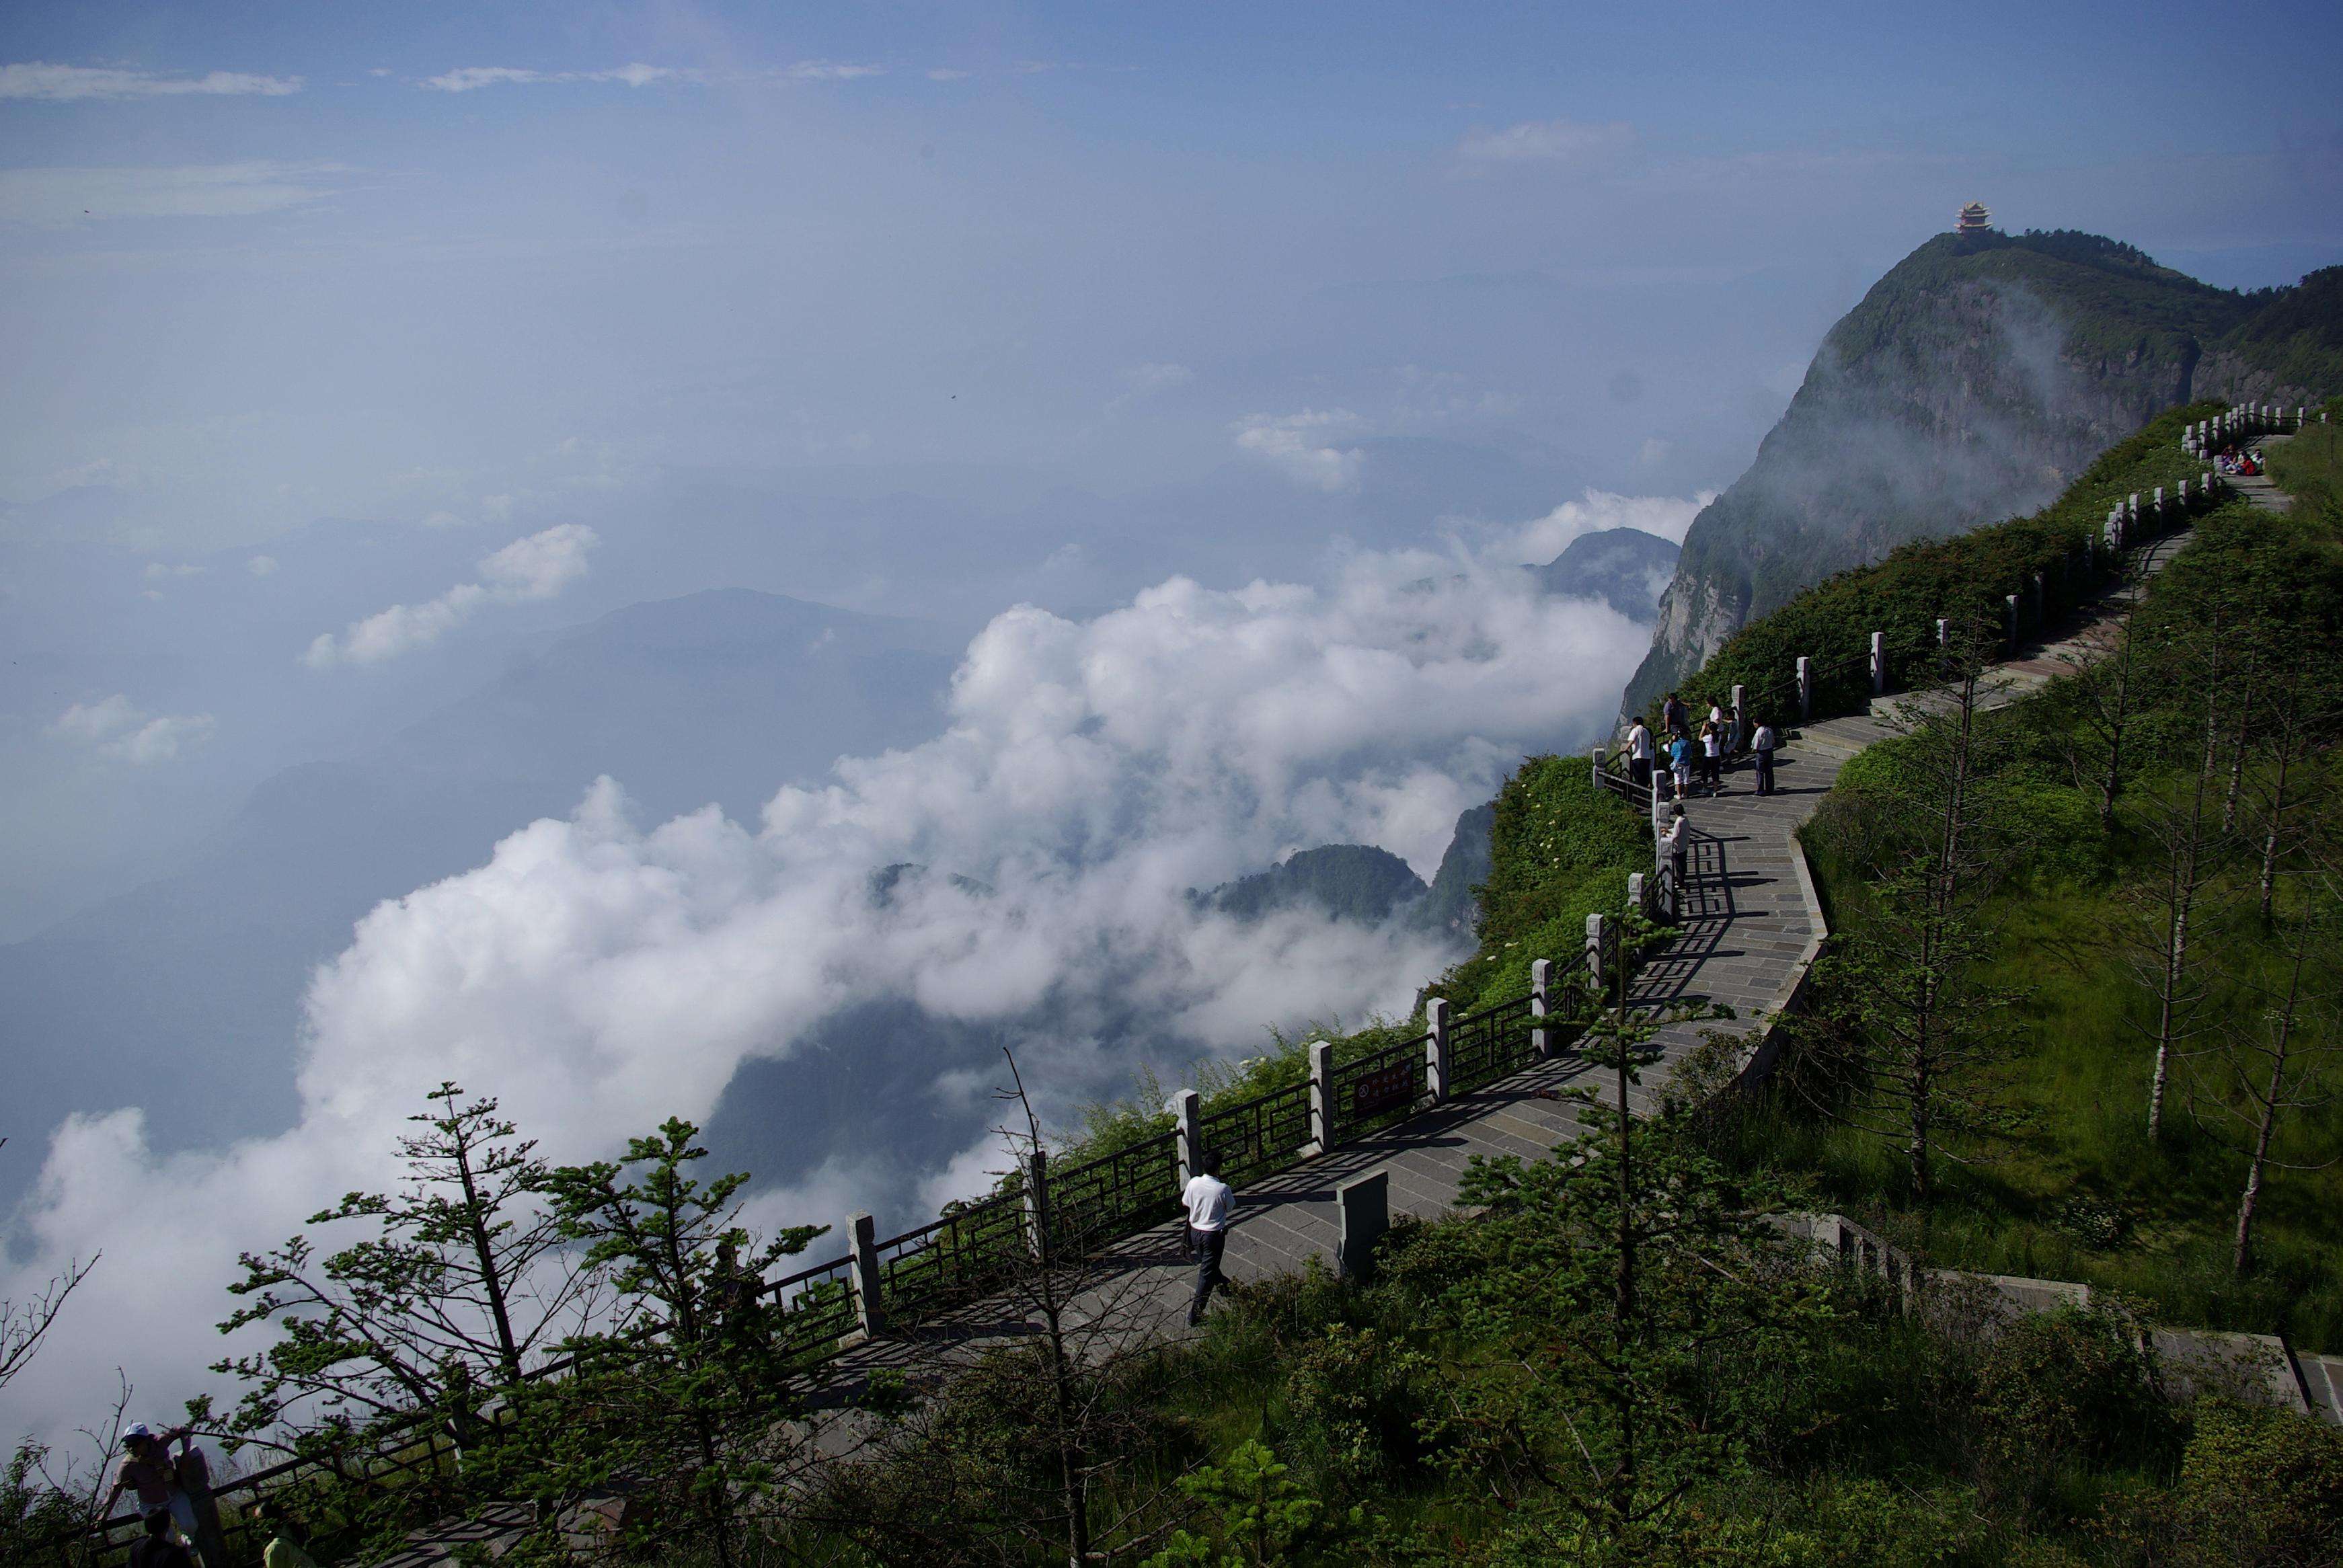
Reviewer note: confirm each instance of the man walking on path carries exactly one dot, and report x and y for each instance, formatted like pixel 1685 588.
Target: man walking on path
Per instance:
pixel 1673 716
pixel 1207 1200
pixel 1639 757
pixel 1763 742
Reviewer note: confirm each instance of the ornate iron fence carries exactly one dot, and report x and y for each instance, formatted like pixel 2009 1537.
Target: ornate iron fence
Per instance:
pixel 1105 1199
pixel 1256 1135
pixel 814 1308
pixel 1378 1083
pixel 1490 1043
pixel 951 1260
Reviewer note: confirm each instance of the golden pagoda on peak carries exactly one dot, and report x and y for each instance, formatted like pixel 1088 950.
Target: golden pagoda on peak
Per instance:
pixel 1974 219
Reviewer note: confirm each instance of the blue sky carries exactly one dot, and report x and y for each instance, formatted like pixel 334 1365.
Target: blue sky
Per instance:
pixel 688 235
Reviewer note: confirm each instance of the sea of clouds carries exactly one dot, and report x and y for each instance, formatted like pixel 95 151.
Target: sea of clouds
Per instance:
pixel 599 973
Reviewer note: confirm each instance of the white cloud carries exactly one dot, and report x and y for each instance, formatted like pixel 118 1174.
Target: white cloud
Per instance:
pixel 1566 142
pixel 159 571
pixel 261 566
pixel 598 975
pixel 471 78
pixel 1140 382
pixel 946 74
pixel 536 568
pixel 1538 541
pixel 114 726
pixel 67 197
pixel 1303 445
pixel 65 84
pixel 829 71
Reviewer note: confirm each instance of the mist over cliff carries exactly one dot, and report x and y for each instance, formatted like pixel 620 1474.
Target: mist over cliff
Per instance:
pixel 1973 382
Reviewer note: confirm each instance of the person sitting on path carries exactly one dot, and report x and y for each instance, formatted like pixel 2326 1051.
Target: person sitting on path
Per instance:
pixel 1680 767
pixel 161 1546
pixel 149 1470
pixel 1764 743
pixel 285 1548
pixel 1207 1200
pixel 1639 757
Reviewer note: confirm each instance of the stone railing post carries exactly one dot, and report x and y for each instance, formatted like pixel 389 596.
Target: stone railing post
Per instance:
pixel 1944 632
pixel 2010 601
pixel 1187 1109
pixel 1598 943
pixel 1322 1097
pixel 1362 1215
pixel 2159 503
pixel 1594 756
pixel 1541 982
pixel 862 1274
pixel 1037 1206
pixel 1740 717
pixel 1435 1048
pixel 1639 898
pixel 1878 663
pixel 1805 688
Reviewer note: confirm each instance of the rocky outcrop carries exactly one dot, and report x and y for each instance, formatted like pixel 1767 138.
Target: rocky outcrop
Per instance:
pixel 1972 383
pixel 1626 569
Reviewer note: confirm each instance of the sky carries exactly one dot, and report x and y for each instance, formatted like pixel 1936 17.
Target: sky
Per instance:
pixel 1205 372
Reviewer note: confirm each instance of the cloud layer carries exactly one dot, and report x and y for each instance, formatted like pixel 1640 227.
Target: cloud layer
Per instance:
pixel 536 568
pixel 67 197
pixel 597 974
pixel 1548 141
pixel 1306 446
pixel 65 83
pixel 114 726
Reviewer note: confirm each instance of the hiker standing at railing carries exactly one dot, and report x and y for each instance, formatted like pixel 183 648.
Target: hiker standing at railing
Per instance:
pixel 1764 743
pixel 1675 718
pixel 147 1470
pixel 1207 1200
pixel 1639 757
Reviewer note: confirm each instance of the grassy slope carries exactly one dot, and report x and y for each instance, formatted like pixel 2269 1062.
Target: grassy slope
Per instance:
pixel 2080 1192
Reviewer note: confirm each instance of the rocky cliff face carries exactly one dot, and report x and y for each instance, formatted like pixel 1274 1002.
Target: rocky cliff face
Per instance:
pixel 1973 383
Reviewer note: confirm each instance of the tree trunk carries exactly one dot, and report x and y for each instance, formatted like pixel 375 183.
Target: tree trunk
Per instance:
pixel 2270 838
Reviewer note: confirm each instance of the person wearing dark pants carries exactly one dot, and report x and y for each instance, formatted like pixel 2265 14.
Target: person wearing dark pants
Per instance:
pixel 1207 1200
pixel 1764 743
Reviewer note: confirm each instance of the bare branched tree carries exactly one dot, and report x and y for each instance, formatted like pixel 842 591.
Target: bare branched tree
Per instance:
pixel 24 1324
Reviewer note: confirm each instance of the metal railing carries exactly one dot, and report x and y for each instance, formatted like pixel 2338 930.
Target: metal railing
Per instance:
pixel 1491 1043
pixel 814 1307
pixel 953 1260
pixel 1379 1083
pixel 1257 1135
pixel 1113 1195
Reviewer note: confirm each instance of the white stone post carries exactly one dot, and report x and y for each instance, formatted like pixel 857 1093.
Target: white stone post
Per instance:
pixel 1541 979
pixel 1435 1048
pixel 1362 1215
pixel 862 1273
pixel 1639 899
pixel 1878 662
pixel 2159 501
pixel 1740 719
pixel 1598 941
pixel 1805 688
pixel 1322 1097
pixel 2011 602
pixel 1594 755
pixel 1944 632
pixel 1187 1109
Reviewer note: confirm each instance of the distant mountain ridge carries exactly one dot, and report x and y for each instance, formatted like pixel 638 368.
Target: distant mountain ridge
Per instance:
pixel 1973 383
pixel 1626 569
pixel 1347 882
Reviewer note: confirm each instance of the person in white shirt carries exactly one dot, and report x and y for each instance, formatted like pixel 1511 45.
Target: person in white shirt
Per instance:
pixel 1763 741
pixel 1639 757
pixel 1207 1200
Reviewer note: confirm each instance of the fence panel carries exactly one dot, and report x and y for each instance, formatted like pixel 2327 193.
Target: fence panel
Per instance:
pixel 814 1308
pixel 952 1260
pixel 1380 1086
pixel 1490 1043
pixel 1114 1195
pixel 1258 1135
